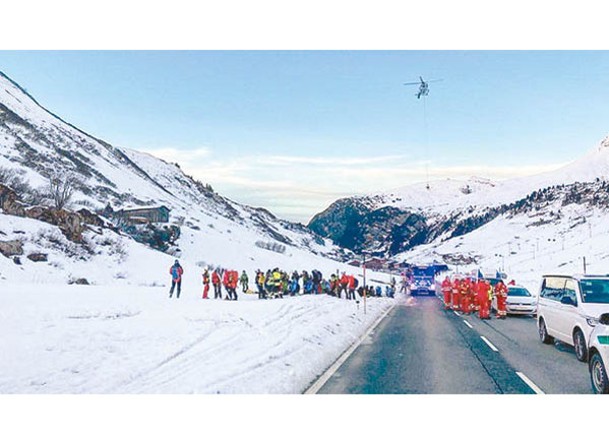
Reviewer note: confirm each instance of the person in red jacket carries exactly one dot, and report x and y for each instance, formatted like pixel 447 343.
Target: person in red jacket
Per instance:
pixel 230 279
pixel 215 281
pixel 176 273
pixel 447 291
pixel 464 297
pixel 351 284
pixel 483 290
pixel 501 293
pixel 205 283
pixel 456 284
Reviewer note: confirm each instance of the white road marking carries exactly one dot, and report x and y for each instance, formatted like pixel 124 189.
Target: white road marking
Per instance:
pixel 320 382
pixel 530 383
pixel 457 313
pixel 491 345
pixel 468 324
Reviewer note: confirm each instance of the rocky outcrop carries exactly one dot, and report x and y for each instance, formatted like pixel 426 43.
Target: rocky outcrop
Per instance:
pixel 11 247
pixel 89 218
pixel 71 224
pixel 352 223
pixel 9 202
pixel 38 257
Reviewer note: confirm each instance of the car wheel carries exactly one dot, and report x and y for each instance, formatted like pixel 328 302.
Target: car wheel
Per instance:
pixel 598 375
pixel 543 333
pixel 579 342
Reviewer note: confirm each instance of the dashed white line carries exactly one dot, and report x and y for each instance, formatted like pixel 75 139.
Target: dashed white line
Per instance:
pixel 530 383
pixel 468 324
pixel 491 345
pixel 457 313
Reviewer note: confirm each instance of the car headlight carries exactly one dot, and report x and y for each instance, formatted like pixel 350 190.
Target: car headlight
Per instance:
pixel 592 321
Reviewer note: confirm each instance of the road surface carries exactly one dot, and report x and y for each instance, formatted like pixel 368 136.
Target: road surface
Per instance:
pixel 420 348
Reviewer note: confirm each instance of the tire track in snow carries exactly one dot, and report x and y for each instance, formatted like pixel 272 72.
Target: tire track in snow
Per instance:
pixel 188 359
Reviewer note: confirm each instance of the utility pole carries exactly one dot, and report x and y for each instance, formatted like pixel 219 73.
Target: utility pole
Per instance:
pixel 584 265
pixel 365 288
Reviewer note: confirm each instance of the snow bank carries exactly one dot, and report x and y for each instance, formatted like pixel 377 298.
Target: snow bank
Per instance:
pixel 130 339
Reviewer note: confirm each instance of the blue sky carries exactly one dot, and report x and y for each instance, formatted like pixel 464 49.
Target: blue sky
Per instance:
pixel 294 130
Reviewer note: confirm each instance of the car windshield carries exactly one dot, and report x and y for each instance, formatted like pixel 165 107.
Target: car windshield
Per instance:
pixel 595 291
pixel 518 291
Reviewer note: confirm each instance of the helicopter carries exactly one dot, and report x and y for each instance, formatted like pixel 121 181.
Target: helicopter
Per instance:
pixel 423 86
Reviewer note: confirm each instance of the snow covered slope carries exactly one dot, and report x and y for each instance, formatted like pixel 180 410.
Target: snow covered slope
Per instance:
pixel 420 214
pixel 446 196
pixel 214 229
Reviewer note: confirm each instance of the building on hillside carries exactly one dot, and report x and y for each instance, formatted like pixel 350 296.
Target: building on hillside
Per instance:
pixel 138 216
pixel 375 264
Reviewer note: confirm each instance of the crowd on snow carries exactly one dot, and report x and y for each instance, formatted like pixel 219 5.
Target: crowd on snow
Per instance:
pixel 277 283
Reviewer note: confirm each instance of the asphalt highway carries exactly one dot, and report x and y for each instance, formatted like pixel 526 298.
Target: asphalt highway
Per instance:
pixel 420 348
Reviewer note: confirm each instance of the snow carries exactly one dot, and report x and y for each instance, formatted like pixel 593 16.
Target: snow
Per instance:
pixel 526 252
pixel 446 196
pixel 129 339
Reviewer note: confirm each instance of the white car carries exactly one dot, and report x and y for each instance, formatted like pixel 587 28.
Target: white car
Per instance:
pixel 599 356
pixel 520 301
pixel 569 307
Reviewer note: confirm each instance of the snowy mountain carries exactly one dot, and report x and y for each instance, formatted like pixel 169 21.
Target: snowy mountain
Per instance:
pixel 36 145
pixel 405 221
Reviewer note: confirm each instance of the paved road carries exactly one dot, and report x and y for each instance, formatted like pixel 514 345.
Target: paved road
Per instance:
pixel 420 348
pixel 553 368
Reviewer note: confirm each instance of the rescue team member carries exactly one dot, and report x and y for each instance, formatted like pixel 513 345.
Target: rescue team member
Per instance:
pixel 484 299
pixel 501 293
pixel 464 297
pixel 205 283
pixel 447 291
pixel 215 280
pixel 456 303
pixel 475 300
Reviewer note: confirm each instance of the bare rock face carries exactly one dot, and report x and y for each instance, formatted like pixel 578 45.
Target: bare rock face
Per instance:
pixel 9 202
pixel 90 218
pixel 11 247
pixel 38 257
pixel 70 223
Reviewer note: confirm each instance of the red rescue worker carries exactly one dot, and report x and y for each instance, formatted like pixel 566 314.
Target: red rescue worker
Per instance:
pixel 501 293
pixel 471 293
pixel 215 280
pixel 484 294
pixel 351 287
pixel 455 295
pixel 464 297
pixel 447 291
pixel 475 301
pixel 205 283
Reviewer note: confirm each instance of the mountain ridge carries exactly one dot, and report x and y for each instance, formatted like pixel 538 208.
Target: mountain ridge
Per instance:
pixel 445 208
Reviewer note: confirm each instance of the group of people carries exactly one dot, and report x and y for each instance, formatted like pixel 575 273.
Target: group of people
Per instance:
pixel 278 283
pixel 469 295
